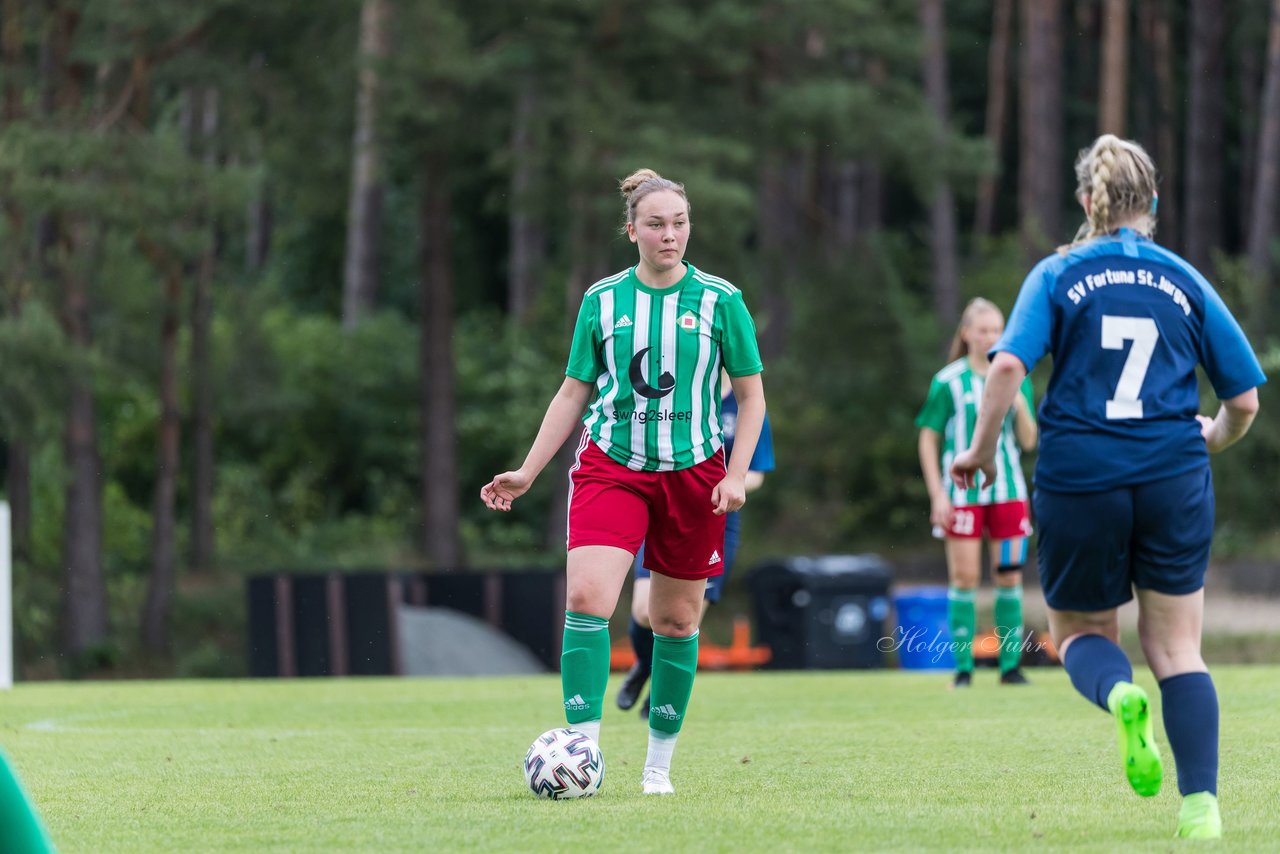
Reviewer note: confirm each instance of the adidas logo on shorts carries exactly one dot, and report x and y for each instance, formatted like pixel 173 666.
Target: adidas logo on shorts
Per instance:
pixel 715 558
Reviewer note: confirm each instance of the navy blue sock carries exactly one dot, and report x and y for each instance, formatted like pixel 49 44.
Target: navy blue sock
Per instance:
pixel 642 643
pixel 1190 706
pixel 1095 665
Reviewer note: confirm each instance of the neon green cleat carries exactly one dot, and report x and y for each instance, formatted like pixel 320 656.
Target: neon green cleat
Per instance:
pixel 1199 817
pixel 1128 703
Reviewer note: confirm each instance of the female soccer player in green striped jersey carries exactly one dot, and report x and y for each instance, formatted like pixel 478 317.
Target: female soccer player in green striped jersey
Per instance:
pixel 999 510
pixel 645 366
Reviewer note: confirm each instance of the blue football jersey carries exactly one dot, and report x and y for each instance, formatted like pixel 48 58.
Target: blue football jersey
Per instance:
pixel 762 459
pixel 1126 321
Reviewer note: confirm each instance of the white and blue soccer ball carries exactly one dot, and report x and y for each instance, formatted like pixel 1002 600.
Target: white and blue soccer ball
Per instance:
pixel 564 763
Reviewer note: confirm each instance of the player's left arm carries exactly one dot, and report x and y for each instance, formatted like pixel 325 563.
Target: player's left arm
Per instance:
pixel 731 493
pixel 1232 422
pixel 1003 379
pixel 1233 369
pixel 762 459
pixel 741 354
pixel 1024 419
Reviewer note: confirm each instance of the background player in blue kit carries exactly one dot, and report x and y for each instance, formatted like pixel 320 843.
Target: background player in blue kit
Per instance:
pixel 640 632
pixel 1124 494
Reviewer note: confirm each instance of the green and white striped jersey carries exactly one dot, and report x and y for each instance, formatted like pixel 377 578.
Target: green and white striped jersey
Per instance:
pixel 654 355
pixel 951 409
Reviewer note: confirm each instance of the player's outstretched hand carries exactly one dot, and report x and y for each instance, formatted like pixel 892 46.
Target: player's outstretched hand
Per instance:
pixel 498 493
pixel 729 495
pixel 966 467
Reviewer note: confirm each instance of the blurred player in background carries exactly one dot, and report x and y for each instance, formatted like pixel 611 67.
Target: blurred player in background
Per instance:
pixel 1124 493
pixel 646 355
pixel 640 631
pixel 998 510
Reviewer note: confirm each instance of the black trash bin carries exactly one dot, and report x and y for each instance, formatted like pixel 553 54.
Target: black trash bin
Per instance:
pixel 825 612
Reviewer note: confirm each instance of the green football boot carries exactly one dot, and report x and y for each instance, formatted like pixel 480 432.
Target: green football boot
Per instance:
pixel 1199 817
pixel 1128 703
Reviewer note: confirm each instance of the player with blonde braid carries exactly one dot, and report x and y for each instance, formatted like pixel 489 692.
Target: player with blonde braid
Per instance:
pixel 1124 495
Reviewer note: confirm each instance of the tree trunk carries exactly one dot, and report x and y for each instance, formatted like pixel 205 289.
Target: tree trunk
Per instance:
pixel 942 207
pixel 11 56
pixel 528 241
pixel 259 222
pixel 84 589
pixel 842 203
pixel 588 266
pixel 158 610
pixel 1040 161
pixel 441 542
pixel 778 216
pixel 1158 35
pixel 1202 230
pixel 872 195
pixel 18 489
pixel 1261 221
pixel 1113 86
pixel 84 599
pixel 364 212
pixel 997 103
pixel 202 529
pixel 18 469
pixel 1251 75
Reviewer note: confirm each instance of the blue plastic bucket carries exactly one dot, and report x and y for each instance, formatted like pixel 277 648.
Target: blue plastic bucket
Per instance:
pixel 922 640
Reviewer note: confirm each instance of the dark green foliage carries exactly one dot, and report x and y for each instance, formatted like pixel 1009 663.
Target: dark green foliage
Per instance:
pixel 318 430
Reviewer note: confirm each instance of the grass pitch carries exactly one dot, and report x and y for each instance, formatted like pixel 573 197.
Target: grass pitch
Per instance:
pixel 834 761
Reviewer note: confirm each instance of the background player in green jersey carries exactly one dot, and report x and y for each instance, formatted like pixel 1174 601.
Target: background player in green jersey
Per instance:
pixel 646 355
pixel 999 510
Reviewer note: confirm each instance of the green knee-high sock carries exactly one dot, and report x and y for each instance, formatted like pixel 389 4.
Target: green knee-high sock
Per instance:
pixel 20 829
pixel 584 666
pixel 962 621
pixel 1008 619
pixel 674 663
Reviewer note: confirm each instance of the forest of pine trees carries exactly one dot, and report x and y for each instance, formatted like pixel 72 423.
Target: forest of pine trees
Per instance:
pixel 282 284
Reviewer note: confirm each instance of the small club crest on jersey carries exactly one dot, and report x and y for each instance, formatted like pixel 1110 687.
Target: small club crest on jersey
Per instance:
pixel 689 321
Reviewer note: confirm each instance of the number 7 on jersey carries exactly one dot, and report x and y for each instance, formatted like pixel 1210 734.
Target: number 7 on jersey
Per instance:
pixel 1144 334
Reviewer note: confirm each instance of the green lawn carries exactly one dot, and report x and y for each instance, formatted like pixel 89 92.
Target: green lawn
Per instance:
pixel 836 761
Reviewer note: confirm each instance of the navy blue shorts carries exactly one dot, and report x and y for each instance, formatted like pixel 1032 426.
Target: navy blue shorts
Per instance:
pixel 715 584
pixel 1095 547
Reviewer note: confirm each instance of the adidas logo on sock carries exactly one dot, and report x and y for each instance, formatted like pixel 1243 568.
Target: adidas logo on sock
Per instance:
pixel 715 557
pixel 622 323
pixel 576 703
pixel 666 710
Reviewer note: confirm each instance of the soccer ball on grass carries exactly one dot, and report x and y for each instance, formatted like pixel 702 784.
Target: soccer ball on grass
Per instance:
pixel 564 763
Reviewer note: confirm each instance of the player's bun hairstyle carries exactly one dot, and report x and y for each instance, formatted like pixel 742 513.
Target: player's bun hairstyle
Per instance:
pixel 641 183
pixel 1120 180
pixel 976 306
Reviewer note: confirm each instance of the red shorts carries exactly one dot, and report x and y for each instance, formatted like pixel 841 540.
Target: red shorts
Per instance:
pixel 1005 521
pixel 670 512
